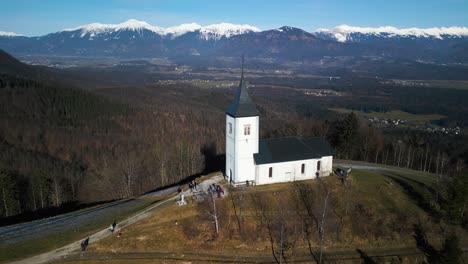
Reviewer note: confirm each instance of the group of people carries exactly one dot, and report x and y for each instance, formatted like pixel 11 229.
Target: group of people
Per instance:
pixel 193 185
pixel 216 188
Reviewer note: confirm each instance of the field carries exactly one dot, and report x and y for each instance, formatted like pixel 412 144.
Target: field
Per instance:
pixel 375 211
pixel 395 114
pixel 444 84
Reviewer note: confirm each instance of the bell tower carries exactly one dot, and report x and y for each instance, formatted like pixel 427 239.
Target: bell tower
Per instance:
pixel 242 124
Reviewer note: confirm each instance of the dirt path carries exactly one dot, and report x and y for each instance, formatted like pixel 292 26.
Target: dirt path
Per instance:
pixel 75 246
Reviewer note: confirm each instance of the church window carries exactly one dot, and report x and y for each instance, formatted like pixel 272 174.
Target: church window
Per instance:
pixel 303 168
pixel 230 128
pixel 247 130
pixel 270 172
pixel 318 165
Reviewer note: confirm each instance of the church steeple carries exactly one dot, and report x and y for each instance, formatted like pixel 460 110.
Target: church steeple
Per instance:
pixel 242 105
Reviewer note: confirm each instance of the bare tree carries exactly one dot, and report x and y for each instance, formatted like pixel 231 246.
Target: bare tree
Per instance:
pixel 57 190
pixel 213 213
pixel 322 224
pixel 129 172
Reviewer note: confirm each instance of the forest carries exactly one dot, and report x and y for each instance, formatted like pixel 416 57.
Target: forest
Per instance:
pixel 62 146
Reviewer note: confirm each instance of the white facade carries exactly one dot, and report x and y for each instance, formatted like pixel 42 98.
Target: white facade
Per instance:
pixel 241 143
pixel 292 170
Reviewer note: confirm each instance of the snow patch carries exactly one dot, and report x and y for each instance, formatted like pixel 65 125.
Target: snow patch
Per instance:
pixel 343 33
pixel 182 29
pixel 217 31
pixel 9 34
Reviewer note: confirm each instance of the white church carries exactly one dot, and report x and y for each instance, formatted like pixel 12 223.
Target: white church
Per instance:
pixel 254 161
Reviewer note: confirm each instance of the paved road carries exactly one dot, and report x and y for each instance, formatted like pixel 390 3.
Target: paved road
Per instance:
pixel 363 167
pixel 55 224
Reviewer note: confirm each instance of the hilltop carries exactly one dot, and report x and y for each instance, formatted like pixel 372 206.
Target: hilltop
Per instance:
pixel 377 212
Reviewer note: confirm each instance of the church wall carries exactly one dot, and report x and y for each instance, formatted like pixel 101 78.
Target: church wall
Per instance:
pixel 240 148
pixel 291 171
pixel 326 166
pixel 230 151
pixel 245 147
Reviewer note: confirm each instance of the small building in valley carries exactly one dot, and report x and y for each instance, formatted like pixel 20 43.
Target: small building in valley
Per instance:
pixel 250 160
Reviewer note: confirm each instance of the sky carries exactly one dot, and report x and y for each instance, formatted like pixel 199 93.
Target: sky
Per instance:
pixel 39 17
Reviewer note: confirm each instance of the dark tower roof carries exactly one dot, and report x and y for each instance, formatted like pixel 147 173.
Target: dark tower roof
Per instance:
pixel 242 105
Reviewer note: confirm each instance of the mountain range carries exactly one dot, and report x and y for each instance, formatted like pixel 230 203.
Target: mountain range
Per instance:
pixel 138 39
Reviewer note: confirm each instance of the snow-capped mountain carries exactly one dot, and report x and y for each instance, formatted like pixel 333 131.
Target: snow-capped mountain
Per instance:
pixel 176 31
pixel 136 39
pixel 345 33
pixel 93 29
pixel 9 34
pixel 210 32
pixel 427 44
pixel 227 30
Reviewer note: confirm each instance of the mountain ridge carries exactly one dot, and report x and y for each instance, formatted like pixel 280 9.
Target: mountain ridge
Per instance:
pixel 139 39
pixel 340 31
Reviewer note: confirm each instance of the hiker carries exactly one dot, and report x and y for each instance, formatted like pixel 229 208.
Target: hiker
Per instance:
pixel 196 184
pixel 190 185
pixel 84 244
pixel 114 224
pixel 179 190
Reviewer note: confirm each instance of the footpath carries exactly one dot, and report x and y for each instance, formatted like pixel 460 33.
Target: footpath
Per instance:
pixel 75 246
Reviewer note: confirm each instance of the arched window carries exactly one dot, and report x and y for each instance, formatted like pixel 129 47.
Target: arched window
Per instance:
pixel 303 168
pixel 270 172
pixel 318 165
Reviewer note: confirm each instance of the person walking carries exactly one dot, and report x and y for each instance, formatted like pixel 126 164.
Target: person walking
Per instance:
pixel 84 244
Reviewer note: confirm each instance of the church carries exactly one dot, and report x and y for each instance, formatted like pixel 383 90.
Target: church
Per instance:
pixel 254 161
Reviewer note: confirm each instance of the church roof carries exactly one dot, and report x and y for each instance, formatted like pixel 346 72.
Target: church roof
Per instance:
pixel 242 105
pixel 291 149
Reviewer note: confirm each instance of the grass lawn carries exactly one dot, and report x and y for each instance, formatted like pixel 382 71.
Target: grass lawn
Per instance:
pixel 55 240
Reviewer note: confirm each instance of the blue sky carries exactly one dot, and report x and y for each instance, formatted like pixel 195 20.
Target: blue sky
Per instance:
pixel 38 17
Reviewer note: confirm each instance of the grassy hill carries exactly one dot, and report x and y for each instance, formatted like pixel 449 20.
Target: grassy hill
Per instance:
pixel 377 212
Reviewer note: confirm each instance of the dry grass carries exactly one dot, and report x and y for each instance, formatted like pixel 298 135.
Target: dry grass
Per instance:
pixel 381 215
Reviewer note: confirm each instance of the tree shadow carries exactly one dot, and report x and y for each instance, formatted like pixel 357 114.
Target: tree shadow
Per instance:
pixel 304 203
pixel 416 196
pixel 213 161
pixel 422 243
pixel 364 257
